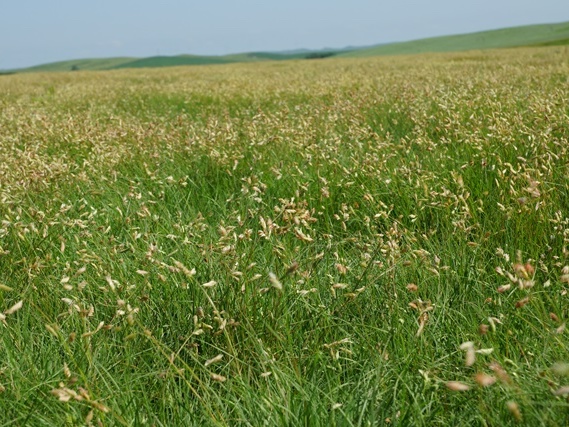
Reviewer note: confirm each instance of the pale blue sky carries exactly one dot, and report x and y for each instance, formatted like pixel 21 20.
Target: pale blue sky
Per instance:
pixel 39 31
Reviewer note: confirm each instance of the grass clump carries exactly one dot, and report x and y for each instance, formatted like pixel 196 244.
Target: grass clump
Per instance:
pixel 349 242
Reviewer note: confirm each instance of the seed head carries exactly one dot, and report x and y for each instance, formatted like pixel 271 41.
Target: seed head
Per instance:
pixel 14 308
pixel 514 410
pixel 275 282
pixel 484 380
pixel 214 360
pixel 457 386
pixel 218 378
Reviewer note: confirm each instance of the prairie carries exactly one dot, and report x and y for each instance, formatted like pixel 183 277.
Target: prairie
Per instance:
pixel 524 36
pixel 349 242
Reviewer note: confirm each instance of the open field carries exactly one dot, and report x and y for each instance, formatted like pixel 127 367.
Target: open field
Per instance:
pixel 98 64
pixel 352 242
pixel 528 35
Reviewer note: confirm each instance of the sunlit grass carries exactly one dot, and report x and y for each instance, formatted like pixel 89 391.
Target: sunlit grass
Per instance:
pixel 349 242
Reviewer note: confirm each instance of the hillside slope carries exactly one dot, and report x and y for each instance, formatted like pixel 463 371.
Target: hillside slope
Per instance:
pixel 80 64
pixel 96 64
pixel 529 35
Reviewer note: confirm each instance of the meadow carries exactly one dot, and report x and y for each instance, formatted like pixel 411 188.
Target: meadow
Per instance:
pixel 344 242
pixel 524 36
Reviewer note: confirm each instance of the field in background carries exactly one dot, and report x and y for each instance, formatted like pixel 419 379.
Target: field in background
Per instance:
pixel 173 61
pixel 528 35
pixel 346 242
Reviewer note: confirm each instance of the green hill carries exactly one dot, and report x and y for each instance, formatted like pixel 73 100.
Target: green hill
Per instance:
pixel 529 35
pixel 80 64
pixel 164 61
pixel 173 61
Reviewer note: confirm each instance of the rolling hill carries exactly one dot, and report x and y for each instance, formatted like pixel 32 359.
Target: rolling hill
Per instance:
pixel 529 35
pixel 80 64
pixel 169 61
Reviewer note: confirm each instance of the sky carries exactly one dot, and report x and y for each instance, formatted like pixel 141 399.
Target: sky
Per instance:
pixel 34 32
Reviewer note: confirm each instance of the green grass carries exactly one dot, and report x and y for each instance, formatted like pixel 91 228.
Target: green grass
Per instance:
pixel 80 64
pixel 529 35
pixel 169 61
pixel 140 225
pixel 557 42
pixel 159 61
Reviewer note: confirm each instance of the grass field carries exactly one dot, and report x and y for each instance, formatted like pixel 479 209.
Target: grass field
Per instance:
pixel 529 35
pixel 81 64
pixel 352 242
pixel 98 64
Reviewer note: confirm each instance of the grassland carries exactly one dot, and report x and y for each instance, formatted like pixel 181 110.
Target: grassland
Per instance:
pixel 98 64
pixel 81 64
pixel 529 35
pixel 377 241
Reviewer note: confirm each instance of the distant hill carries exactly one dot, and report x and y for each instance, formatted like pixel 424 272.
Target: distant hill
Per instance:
pixel 529 35
pixel 80 64
pixel 116 63
pixel 171 61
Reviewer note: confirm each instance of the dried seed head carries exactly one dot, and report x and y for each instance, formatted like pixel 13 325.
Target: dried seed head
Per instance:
pixel 63 394
pixel 457 386
pixel 562 391
pixel 522 302
pixel 470 357
pixel 14 308
pixel 89 418
pixel 411 287
pixel 520 271
pixel 52 329
pixel 484 380
pixel 423 318
pixel 218 378
pixel 292 268
pixel 500 373
pixel 514 410
pixel 275 282
pixel 485 351
pixel 466 345
pixel 342 269
pixel 214 360
pixel 504 288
